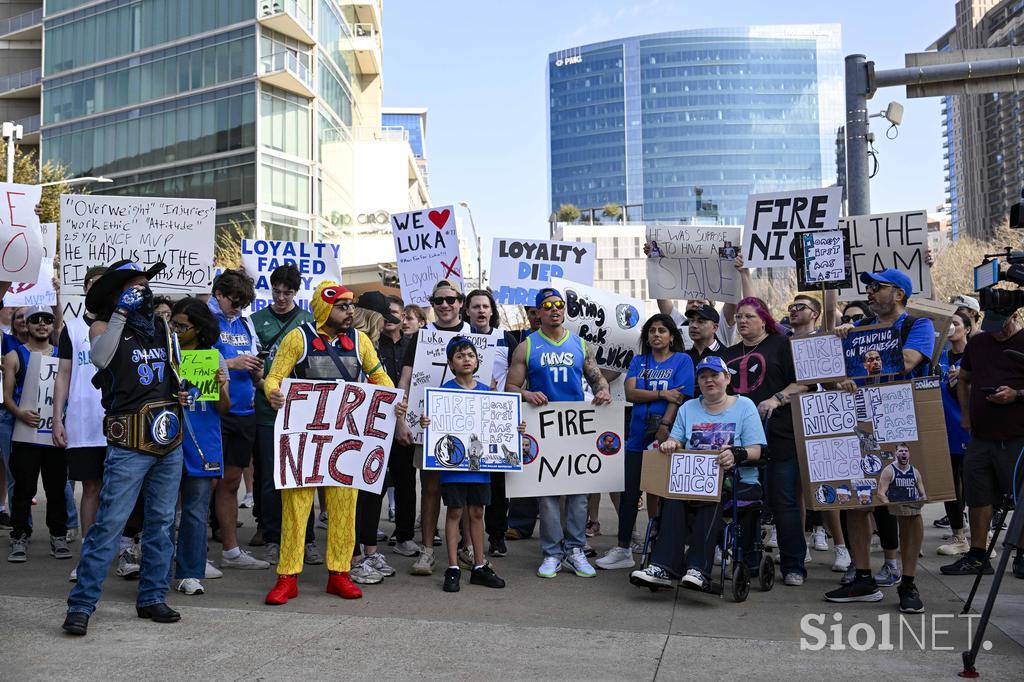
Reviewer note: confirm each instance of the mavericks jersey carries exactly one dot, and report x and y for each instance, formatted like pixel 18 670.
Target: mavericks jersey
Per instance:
pixel 555 368
pixel 904 485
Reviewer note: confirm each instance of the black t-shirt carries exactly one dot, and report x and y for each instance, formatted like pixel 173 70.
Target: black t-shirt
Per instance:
pixel 139 372
pixel 65 351
pixel 762 370
pixel 410 351
pixel 990 367
pixel 392 353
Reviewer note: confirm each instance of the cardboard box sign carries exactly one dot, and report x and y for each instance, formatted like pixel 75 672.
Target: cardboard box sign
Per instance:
pixel 685 475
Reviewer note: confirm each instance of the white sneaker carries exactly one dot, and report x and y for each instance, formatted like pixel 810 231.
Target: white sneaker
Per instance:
pixel 550 567
pixel 212 572
pixel 773 539
pixel 272 553
pixel 190 586
pixel 425 562
pixel 246 504
pixel 244 561
pixel 466 555
pixel 819 539
pixel 958 545
pixel 365 574
pixel 379 564
pixel 73 577
pixel 311 555
pixel 652 575
pixel 321 521
pixel 616 557
pixel 793 579
pixel 694 578
pixel 72 534
pixel 406 548
pixel 842 561
pixel 576 561
pixel 127 564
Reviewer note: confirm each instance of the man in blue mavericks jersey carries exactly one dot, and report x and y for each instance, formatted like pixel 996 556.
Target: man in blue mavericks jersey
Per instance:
pixel 553 362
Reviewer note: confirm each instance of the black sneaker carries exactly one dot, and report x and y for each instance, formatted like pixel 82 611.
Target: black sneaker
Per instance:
pixel 941 523
pixel 589 551
pixel 497 547
pixel 437 539
pixel 858 590
pixel 451 579
pixel 5 520
pixel 967 565
pixel 1018 565
pixel 485 576
pixel 910 599
pixel 392 541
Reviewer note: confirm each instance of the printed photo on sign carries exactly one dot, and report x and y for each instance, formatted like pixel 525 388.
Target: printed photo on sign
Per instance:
pixel 774 218
pixel 521 267
pixel 472 431
pixel 426 251
pixel 901 482
pixel 315 261
pixel 818 358
pixel 688 261
pixel 711 435
pixel 888 240
pixel 609 323
pixel 873 351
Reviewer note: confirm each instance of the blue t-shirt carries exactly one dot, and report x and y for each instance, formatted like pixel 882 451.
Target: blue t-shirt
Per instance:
pixel 676 372
pixel 202 444
pixel 237 338
pixel 920 338
pixel 465 476
pixel 696 429
pixel 958 436
pixel 555 368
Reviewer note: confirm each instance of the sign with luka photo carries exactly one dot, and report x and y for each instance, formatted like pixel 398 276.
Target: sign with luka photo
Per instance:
pixel 609 323
pixel 315 262
pixel 520 268
pixel 334 433
pixel 472 431
pixel 874 350
pixel 426 250
pixel 693 261
pixel 570 448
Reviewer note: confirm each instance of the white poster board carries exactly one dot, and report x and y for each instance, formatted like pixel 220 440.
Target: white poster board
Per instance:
pixel 21 244
pixel 472 431
pixel 37 396
pixel 823 257
pixel 100 230
pixel 40 291
pixel 888 240
pixel 571 448
pixel 818 358
pixel 426 251
pixel 830 459
pixel 690 261
pixel 827 413
pixel 334 433
pixel 315 261
pixel 609 323
pixel 893 415
pixel 520 268
pixel 774 217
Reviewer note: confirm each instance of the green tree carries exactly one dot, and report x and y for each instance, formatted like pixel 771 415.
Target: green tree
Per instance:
pixel 27 171
pixel 568 213
pixel 611 211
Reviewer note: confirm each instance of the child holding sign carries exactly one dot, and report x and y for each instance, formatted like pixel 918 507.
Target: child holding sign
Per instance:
pixel 466 489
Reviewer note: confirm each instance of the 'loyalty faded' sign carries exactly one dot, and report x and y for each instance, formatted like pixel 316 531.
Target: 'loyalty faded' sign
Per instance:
pixel 521 267
pixel 315 262
pixel 426 250
pixel 773 218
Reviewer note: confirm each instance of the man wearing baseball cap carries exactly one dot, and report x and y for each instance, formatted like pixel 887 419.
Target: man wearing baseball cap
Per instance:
pixel 702 328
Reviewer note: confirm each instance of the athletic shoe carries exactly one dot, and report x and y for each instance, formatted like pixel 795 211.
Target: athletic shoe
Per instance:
pixel 651 576
pixel 888 576
pixel 694 580
pixel 550 567
pixel 858 590
pixel 958 545
pixel 425 562
pixel 407 548
pixel 910 599
pixel 849 576
pixel 286 588
pixel 212 572
pixel 593 529
pixel 244 561
pixel 1018 565
pixel 379 564
pixel 272 553
pixel 589 551
pixel 321 521
pixel 437 539
pixel 616 557
pixel 127 564
pixel 311 555
pixel 466 556
pixel 365 574
pixel 793 579
pixel 73 577
pixel 190 586
pixel 59 547
pixel 843 560
pixel 72 534
pixel 246 502
pixel 968 565
pixel 773 539
pixel 576 561
pixel 497 547
pixel 819 540
pixel 341 585
pixel 5 520
pixel 941 523
pixel 486 576
pixel 381 536
pixel 452 575
pixel 19 550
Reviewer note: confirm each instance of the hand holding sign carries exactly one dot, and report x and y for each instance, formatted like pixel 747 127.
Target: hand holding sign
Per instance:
pixel 21 243
pixel 200 368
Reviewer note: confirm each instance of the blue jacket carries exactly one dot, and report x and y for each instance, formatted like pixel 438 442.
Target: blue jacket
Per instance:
pixel 237 337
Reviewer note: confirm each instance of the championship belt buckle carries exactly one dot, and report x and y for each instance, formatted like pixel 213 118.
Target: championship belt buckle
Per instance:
pixel 164 428
pixel 119 428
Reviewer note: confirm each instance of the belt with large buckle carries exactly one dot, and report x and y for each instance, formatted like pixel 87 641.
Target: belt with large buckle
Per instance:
pixel 155 429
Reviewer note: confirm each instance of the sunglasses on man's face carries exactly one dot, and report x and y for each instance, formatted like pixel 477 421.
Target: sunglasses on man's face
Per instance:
pixel 345 307
pixel 548 305
pixel 875 287
pixel 234 302
pixel 797 307
pixel 40 319
pixel 447 300
pixel 856 317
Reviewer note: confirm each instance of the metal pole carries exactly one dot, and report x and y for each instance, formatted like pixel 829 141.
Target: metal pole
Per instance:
pixel 10 157
pixel 958 71
pixel 858 188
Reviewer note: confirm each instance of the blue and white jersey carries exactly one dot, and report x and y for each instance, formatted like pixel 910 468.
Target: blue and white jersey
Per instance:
pixel 555 368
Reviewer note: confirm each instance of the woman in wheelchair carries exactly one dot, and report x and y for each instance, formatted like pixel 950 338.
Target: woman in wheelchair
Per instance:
pixel 715 421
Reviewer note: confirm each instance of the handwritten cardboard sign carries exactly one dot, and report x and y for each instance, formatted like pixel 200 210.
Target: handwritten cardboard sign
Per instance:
pixel 823 260
pixel 571 448
pixel 685 475
pixel 873 350
pixel 827 413
pixel 37 396
pixel 40 291
pixel 315 261
pixel 199 368
pixel 100 230
pixel 888 240
pixel 21 243
pixel 522 267
pixel 334 433
pixel 818 358
pixel 426 250
pixel 686 261
pixel 472 431
pixel 891 407
pixel 609 323
pixel 774 218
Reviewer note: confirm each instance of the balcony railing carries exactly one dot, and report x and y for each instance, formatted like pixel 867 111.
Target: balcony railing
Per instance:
pixel 286 70
pixel 385 134
pixel 21 21
pixel 29 124
pixel 363 30
pixel 287 11
pixel 17 81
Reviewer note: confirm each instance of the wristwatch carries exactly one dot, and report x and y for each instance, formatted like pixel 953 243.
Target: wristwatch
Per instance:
pixel 781 397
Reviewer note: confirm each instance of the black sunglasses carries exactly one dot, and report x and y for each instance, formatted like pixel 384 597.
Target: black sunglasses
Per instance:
pixel 450 300
pixel 856 317
pixel 40 319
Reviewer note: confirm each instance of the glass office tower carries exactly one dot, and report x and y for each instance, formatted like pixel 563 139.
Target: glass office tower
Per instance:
pixel 661 123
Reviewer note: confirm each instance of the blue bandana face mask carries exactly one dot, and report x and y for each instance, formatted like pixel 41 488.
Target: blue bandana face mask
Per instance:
pixel 141 319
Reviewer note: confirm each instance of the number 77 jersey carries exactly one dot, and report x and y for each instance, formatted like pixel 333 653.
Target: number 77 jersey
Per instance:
pixel 555 368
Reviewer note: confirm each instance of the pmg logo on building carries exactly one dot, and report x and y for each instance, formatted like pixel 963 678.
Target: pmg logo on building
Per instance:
pixel 567 57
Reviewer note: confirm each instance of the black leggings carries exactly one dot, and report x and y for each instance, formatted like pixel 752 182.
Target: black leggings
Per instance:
pixel 496 513
pixel 367 518
pixel 955 508
pixel 27 462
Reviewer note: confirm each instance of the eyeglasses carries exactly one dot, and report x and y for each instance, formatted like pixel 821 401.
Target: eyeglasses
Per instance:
pixel 448 300
pixel 345 306
pixel 181 328
pixel 548 305
pixel 873 287
pixel 39 319
pixel 856 317
pixel 797 307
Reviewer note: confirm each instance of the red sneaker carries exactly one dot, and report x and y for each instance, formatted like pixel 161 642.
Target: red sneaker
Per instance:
pixel 287 587
pixel 341 585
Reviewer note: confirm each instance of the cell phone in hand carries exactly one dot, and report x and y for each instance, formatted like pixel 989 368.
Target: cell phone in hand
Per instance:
pixel 263 354
pixel 988 390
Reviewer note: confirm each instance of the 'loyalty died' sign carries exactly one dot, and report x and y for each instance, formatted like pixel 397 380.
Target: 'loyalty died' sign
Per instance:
pixel 426 250
pixel 314 261
pixel 609 323
pixel 772 219
pixel 521 267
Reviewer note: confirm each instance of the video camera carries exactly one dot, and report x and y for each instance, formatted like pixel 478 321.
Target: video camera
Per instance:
pixel 999 304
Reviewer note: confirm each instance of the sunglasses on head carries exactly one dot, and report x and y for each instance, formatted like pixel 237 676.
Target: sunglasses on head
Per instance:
pixel 548 305
pixel 856 317
pixel 449 300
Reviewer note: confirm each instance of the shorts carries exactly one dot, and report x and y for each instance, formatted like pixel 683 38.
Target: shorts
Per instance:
pixel 988 470
pixel 906 508
pixel 458 495
pixel 238 434
pixel 86 464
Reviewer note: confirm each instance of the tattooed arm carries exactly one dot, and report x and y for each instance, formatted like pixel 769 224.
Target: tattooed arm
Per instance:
pixel 598 384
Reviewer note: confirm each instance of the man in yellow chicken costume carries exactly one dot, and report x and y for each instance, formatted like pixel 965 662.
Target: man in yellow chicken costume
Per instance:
pixel 333 350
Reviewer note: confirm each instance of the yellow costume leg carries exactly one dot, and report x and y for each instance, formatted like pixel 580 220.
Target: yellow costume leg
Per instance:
pixel 341 528
pixel 295 506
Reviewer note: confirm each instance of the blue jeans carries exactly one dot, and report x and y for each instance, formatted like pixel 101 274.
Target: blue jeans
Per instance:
pixel 190 559
pixel 554 541
pixel 125 472
pixel 784 501
pixel 69 500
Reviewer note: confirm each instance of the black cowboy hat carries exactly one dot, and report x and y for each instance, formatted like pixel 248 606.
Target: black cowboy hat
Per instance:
pixel 105 291
pixel 378 303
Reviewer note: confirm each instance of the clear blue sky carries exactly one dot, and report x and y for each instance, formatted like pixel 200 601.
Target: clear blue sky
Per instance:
pixel 479 69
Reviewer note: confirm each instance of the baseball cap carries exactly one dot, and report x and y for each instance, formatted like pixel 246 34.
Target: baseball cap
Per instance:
pixel 456 343
pixel 38 310
pixel 446 284
pixel 889 276
pixel 705 312
pixel 715 363
pixel 546 292
pixel 963 301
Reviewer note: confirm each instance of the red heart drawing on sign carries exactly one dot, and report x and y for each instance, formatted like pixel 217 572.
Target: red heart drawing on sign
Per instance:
pixel 439 218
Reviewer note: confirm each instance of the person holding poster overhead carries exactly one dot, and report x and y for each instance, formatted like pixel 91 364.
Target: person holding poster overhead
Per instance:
pixel 553 362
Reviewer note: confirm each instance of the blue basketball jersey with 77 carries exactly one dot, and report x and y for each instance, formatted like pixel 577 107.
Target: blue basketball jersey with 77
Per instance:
pixel 555 368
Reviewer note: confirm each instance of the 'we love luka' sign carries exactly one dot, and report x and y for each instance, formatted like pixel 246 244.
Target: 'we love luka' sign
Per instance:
pixel 426 250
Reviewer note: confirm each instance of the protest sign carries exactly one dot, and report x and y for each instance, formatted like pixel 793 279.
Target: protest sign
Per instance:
pixel 774 218
pixel 199 368
pixel 334 433
pixel 472 431
pixel 888 240
pixel 522 267
pixel 873 350
pixel 843 446
pixel 686 475
pixel 315 261
pixel 21 243
pixel 100 230
pixel 823 260
pixel 686 261
pixel 430 369
pixel 37 396
pixel 818 358
pixel 609 323
pixel 426 250
pixel 40 291
pixel 940 314
pixel 570 448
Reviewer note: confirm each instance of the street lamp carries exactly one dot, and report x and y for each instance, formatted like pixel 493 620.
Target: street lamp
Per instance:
pixel 76 181
pixel 476 237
